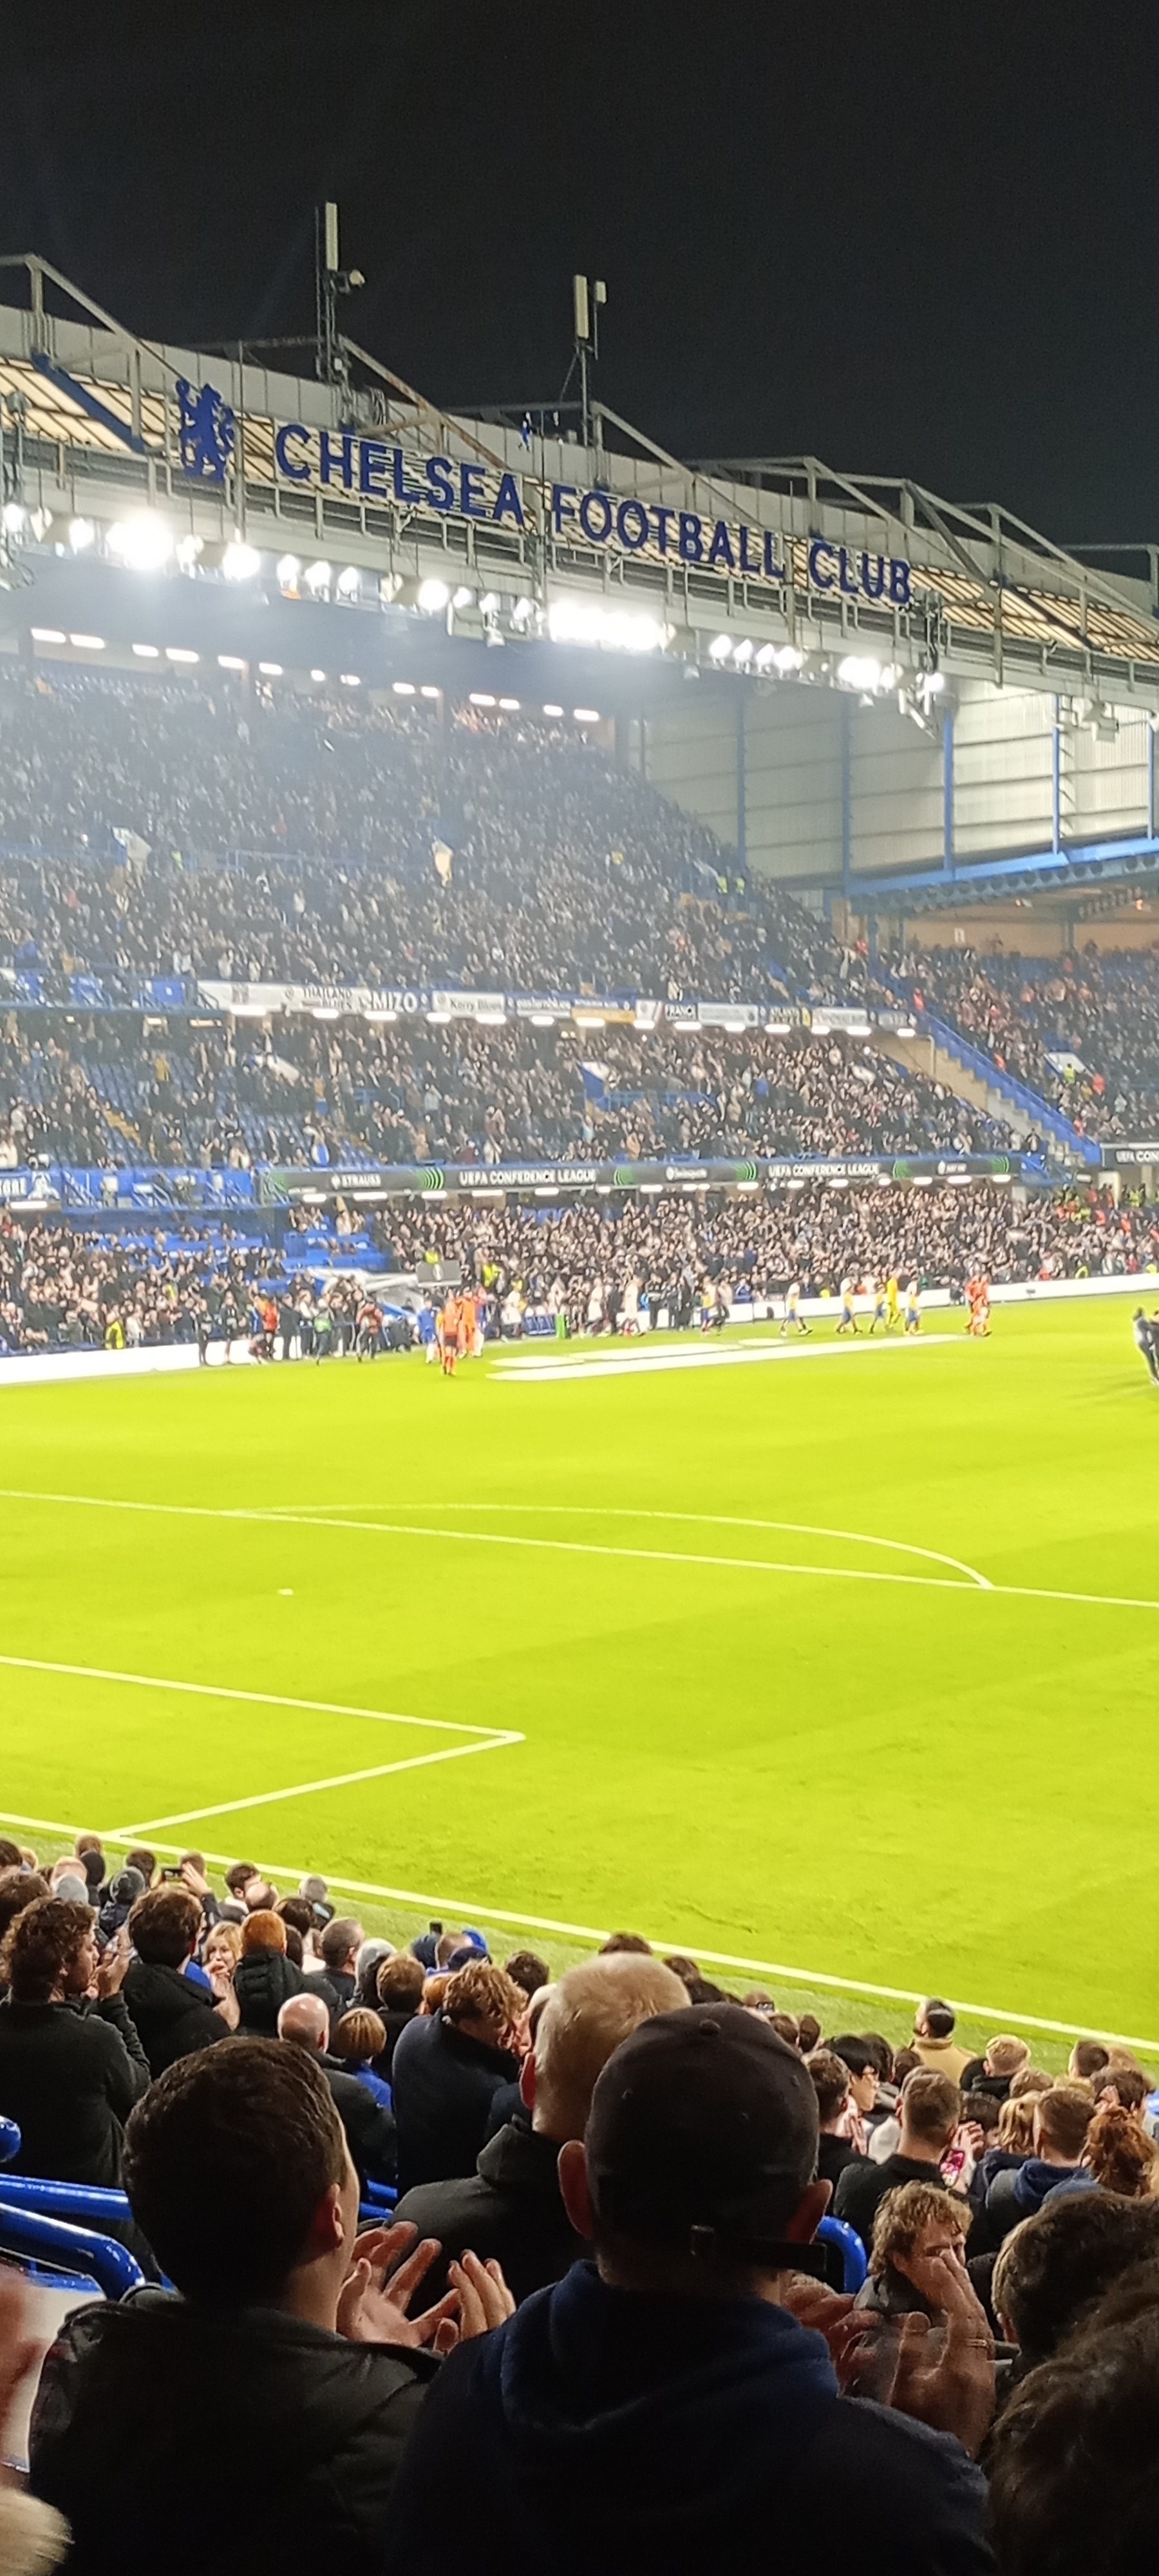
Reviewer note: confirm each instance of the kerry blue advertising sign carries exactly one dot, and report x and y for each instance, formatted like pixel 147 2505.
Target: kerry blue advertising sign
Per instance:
pixel 374 470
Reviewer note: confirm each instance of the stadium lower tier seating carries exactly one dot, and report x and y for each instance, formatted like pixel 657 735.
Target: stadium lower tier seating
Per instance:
pixel 62 1287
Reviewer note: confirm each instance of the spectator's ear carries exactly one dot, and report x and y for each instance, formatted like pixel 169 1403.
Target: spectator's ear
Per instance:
pixel 808 2214
pixel 326 2233
pixel 573 2186
pixel 527 2081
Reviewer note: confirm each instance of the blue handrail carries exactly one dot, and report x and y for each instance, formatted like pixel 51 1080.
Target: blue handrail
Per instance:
pixel 77 2249
pixel 836 2231
pixel 81 2203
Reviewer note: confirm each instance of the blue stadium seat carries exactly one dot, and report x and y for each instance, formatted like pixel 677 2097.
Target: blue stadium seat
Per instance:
pixel 835 2231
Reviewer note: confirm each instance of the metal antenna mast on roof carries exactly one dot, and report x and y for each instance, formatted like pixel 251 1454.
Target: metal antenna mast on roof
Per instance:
pixel 330 281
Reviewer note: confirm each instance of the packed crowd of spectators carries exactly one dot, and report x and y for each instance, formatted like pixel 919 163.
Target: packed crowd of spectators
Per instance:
pixel 597 1262
pixel 1082 1030
pixel 214 1096
pixel 307 841
pixel 599 2326
pixel 754 1246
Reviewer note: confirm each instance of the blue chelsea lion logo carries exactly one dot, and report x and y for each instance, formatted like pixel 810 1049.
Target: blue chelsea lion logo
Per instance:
pixel 206 431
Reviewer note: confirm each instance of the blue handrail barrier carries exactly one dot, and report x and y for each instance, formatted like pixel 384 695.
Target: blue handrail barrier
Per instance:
pixel 77 2250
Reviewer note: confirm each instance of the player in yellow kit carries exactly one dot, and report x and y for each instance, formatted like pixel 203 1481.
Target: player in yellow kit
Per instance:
pixel 892 1303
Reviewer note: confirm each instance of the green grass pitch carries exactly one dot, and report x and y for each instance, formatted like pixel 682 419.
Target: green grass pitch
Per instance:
pixel 846 1760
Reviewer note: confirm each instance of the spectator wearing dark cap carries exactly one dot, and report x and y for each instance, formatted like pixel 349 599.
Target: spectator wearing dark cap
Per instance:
pixel 662 2408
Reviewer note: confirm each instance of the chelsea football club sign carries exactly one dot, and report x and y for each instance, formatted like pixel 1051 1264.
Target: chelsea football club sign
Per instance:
pixel 376 471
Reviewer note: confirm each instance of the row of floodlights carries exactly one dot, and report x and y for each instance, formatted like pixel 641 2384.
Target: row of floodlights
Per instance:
pixel 276 671
pixel 861 672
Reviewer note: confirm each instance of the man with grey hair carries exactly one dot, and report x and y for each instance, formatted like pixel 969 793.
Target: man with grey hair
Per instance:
pixel 305 2019
pixel 511 2207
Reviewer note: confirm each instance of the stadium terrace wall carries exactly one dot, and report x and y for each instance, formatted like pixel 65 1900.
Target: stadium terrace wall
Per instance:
pixel 63 1188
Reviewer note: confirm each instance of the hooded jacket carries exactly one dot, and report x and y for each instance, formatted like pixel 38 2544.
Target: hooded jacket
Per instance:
pixel 443 2083
pixel 510 2207
pixel 263 1981
pixel 302 2446
pixel 1017 2194
pixel 173 2014
pixel 640 2436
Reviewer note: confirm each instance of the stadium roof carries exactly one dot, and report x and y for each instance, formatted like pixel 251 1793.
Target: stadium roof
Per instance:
pixel 613 542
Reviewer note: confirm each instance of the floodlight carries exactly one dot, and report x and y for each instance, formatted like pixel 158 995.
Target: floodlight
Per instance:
pixel 240 562
pixel 147 652
pixel 81 533
pixel 787 658
pixel 744 652
pixel 553 711
pixel 88 643
pixel 188 550
pixel 433 597
pixel 489 604
pixel 859 671
pixel 463 597
pixel 180 653
pixel 288 570
pixel 318 576
pixel 270 670
pixel 14 515
pixel 719 647
pixel 142 541
pixel 348 581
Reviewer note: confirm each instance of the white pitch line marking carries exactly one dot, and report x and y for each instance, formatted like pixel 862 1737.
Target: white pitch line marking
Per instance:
pixel 535 1371
pixel 641 1512
pixel 260 1699
pixel 309 1788
pixel 475 1912
pixel 508 1538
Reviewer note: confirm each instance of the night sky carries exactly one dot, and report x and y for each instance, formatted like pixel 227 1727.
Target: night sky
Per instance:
pixel 905 240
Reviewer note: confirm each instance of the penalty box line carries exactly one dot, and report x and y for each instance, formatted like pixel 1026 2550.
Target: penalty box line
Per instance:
pixel 483 1740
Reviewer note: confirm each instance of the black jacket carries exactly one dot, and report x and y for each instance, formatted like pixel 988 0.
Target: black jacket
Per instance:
pixel 863 2187
pixel 337 1988
pixel 300 2442
pixel 834 2155
pixel 442 2084
pixel 263 1981
pixel 394 2023
pixel 643 2436
pixel 510 2207
pixel 369 2127
pixel 69 2076
pixel 171 2013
